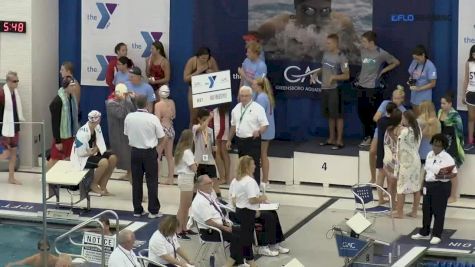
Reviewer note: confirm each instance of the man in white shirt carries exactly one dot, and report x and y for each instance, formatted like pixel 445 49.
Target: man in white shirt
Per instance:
pixel 248 122
pixel 440 168
pixel 205 208
pixel 123 255
pixel 144 131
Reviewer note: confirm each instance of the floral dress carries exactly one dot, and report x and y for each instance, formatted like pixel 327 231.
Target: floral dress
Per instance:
pixel 390 154
pixel 408 164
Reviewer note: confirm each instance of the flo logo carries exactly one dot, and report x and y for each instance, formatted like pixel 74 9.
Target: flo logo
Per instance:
pixel 211 79
pixel 106 10
pixel 103 61
pixel 149 38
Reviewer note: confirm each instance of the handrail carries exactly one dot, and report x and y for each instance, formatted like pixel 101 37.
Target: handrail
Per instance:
pixel 85 223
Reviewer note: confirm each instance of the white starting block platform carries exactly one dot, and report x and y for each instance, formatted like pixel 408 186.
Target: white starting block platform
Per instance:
pixel 63 175
pixel 308 162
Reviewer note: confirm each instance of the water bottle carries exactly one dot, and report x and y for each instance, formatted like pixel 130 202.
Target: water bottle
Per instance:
pixel 211 261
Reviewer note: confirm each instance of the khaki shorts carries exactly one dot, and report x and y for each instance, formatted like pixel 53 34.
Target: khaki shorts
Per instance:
pixel 186 182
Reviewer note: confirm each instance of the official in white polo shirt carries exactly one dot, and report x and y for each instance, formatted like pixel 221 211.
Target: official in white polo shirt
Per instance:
pixel 206 209
pixel 144 131
pixel 440 168
pixel 123 255
pixel 248 122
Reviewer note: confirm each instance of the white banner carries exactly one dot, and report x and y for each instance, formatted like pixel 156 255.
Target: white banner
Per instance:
pixel 211 88
pixel 93 254
pixel 136 23
pixel 466 38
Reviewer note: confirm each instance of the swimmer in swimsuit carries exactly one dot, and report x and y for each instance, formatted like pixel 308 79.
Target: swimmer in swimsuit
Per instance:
pixel 165 111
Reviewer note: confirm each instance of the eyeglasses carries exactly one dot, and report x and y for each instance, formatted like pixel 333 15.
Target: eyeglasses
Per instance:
pixel 15 81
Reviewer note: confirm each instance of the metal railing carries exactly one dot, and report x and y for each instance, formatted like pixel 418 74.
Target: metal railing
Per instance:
pixel 83 224
pixel 43 177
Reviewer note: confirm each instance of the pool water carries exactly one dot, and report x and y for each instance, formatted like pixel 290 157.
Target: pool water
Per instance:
pixel 18 241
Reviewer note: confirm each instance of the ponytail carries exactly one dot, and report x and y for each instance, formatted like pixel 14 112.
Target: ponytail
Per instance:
pixel 267 88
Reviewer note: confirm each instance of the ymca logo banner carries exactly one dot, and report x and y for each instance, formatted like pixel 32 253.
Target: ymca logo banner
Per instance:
pixel 466 38
pixel 105 23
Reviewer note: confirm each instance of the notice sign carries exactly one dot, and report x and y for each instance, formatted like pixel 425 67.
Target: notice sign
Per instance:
pixel 211 88
pixel 93 254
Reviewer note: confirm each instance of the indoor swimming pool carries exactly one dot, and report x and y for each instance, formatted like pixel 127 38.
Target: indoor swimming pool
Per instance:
pixel 19 240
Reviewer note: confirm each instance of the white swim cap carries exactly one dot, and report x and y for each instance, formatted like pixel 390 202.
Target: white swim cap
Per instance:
pixel 164 91
pixel 94 116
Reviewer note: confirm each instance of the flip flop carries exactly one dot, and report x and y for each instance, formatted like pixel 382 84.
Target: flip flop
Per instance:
pixel 326 143
pixel 337 147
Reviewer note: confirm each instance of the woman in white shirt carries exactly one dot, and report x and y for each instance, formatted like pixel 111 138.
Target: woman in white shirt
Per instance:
pixel 269 238
pixel 247 198
pixel 186 169
pixel 469 85
pixel 440 168
pixel 163 246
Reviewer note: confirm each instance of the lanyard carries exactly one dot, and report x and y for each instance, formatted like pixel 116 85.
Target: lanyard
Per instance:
pixel 173 245
pixel 204 136
pixel 244 112
pixel 212 203
pixel 131 261
pixel 423 66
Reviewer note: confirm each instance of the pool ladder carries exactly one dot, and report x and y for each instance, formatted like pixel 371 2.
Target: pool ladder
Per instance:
pixel 83 224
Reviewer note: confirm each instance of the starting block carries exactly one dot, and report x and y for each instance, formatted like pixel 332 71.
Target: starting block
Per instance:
pixel 63 175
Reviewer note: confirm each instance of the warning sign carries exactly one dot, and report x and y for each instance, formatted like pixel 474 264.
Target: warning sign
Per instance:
pixel 93 254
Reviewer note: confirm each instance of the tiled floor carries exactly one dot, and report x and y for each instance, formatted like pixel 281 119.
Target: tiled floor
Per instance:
pixel 299 203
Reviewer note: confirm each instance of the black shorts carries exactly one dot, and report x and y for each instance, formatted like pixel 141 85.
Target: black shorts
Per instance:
pixel 207 169
pixel 332 103
pixel 93 161
pixel 470 98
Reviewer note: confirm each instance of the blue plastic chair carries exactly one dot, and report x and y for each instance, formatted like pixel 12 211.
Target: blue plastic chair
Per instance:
pixel 364 201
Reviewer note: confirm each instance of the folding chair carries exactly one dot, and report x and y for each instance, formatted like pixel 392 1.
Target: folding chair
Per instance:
pixel 144 260
pixel 364 201
pixel 257 227
pixel 207 248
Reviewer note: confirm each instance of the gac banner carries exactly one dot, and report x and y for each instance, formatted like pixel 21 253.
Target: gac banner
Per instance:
pixel 105 23
pixel 466 38
pixel 294 36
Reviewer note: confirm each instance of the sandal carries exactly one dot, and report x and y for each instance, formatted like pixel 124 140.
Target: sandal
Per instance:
pixel 326 143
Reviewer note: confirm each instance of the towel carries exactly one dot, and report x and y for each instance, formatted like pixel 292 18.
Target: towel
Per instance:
pixel 80 150
pixel 68 128
pixel 8 128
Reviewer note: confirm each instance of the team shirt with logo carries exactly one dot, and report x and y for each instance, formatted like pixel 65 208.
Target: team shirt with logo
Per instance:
pixel 332 64
pixel 372 63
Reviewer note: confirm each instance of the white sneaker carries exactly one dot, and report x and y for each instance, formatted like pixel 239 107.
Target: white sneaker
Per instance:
pixel 153 216
pixel 140 214
pixel 420 237
pixel 282 250
pixel 265 251
pixel 435 240
pixel 366 142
